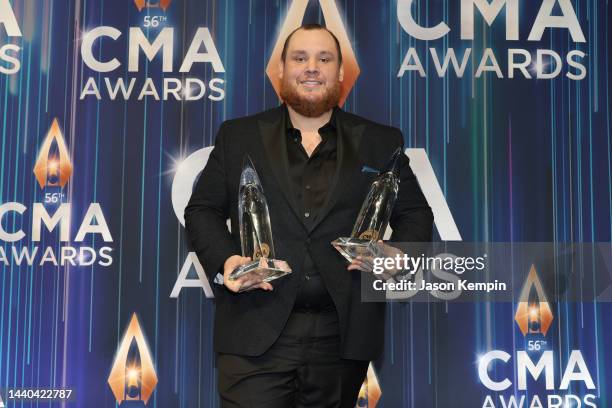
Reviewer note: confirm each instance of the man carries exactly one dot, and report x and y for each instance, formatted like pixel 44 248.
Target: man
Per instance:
pixel 305 339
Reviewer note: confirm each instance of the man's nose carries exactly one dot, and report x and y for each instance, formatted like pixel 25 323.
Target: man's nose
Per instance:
pixel 312 66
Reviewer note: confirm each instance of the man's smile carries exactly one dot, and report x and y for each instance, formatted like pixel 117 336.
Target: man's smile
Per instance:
pixel 311 83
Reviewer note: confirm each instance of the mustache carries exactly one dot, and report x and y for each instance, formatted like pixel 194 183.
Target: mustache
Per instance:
pixel 307 107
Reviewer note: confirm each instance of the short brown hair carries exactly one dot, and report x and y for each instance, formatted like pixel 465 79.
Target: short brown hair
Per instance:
pixel 311 27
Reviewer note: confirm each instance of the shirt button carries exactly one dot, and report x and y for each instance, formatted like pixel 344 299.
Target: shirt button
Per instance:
pixel 307 277
pixel 307 187
pixel 306 214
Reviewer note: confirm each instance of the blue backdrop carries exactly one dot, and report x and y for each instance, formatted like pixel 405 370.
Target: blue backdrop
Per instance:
pixel 517 159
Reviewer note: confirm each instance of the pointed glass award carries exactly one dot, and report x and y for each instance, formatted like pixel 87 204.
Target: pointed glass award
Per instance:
pixel 255 232
pixel 374 215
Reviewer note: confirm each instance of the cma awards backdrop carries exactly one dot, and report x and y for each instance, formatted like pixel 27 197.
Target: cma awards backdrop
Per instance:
pixel 108 111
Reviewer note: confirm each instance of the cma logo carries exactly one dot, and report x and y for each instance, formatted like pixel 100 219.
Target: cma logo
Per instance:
pixel 534 318
pixel 162 43
pixel 202 49
pixel 9 62
pixel 533 314
pixel 189 169
pixel 93 222
pixel 53 169
pixel 510 63
pixel 546 18
pixel 575 370
pixel 133 378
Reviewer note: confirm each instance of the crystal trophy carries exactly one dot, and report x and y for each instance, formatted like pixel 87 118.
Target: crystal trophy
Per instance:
pixel 255 233
pixel 374 215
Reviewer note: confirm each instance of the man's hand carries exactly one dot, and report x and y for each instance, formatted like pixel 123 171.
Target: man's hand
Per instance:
pixel 366 263
pixel 245 281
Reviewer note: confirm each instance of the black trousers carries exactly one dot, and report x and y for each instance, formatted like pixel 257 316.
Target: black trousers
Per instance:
pixel 302 369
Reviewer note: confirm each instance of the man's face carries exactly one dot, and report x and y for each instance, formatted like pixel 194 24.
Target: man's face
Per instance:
pixel 311 73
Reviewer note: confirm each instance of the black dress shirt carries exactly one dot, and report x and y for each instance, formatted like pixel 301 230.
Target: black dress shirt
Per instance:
pixel 311 179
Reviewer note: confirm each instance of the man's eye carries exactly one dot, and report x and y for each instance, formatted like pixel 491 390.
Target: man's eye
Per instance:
pixel 300 59
pixel 324 59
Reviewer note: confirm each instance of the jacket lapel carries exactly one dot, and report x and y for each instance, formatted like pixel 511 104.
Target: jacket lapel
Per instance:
pixel 275 145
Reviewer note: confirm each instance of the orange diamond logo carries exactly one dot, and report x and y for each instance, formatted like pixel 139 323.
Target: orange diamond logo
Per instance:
pixel 162 4
pixel 533 314
pixel 53 166
pixel 133 376
pixel 334 23
pixel 370 391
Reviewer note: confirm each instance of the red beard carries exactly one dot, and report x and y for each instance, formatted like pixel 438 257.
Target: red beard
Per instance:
pixel 309 108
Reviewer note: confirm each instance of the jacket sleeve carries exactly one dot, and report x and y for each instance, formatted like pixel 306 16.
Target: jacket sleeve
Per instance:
pixel 411 218
pixel 207 212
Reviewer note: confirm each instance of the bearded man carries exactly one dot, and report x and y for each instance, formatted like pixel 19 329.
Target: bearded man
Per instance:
pixel 304 340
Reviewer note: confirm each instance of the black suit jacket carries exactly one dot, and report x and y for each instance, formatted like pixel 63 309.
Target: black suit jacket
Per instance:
pixel 249 323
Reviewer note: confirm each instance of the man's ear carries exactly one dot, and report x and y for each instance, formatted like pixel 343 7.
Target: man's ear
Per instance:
pixel 281 69
pixel 341 73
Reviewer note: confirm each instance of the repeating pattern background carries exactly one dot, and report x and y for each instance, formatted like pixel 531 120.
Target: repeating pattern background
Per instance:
pixel 518 160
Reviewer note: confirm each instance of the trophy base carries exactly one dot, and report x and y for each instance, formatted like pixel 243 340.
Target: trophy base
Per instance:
pixel 351 248
pixel 260 270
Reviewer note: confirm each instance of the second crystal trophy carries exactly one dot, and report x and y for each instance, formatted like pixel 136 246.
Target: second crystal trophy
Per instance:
pixel 374 215
pixel 256 232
